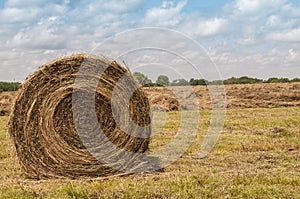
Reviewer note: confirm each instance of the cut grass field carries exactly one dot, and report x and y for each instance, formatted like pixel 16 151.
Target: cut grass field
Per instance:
pixel 257 156
pixel 272 95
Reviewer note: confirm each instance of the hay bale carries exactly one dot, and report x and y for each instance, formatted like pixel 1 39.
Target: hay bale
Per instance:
pixel 6 102
pixel 164 102
pixel 42 124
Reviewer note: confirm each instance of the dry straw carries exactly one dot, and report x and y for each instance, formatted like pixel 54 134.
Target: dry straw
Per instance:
pixel 165 102
pixel 42 123
pixel 162 99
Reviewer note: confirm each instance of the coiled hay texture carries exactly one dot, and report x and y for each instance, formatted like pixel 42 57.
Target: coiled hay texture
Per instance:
pixel 42 124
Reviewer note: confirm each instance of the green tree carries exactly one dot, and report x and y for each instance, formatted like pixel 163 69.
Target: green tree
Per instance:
pixel 249 80
pixel 271 80
pixel 277 80
pixel 179 82
pixel 295 80
pixel 232 80
pixel 215 82
pixel 284 80
pixel 242 80
pixel 195 82
pixel 163 80
pixel 9 86
pixel 142 79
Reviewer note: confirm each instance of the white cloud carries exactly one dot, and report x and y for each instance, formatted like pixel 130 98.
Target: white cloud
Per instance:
pixel 167 14
pixel 257 22
pixel 292 35
pixel 293 57
pixel 247 41
pixel 33 31
pixel 273 21
pixel 38 31
pixel 17 15
pixel 277 22
pixel 27 3
pixel 212 26
pixel 204 27
pixel 254 7
pixel 248 7
pixel 37 39
pixel 123 5
pixel 291 10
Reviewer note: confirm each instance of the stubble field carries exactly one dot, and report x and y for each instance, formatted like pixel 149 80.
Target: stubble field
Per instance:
pixel 257 155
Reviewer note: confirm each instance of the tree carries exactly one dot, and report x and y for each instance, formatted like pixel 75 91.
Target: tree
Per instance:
pixel 9 86
pixel 249 80
pixel 242 80
pixel 277 80
pixel 232 80
pixel 163 80
pixel 179 82
pixel 195 82
pixel 142 79
pixel 284 80
pixel 216 82
pixel 295 80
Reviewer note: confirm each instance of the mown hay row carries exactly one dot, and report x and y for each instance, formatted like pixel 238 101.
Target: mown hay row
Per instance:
pixel 164 102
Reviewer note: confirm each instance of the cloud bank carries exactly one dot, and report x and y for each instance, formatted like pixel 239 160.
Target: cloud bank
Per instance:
pixel 258 38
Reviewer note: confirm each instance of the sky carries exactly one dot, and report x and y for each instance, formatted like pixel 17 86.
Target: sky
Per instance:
pixel 220 38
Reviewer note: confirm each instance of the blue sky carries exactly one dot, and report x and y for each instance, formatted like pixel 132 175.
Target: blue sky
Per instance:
pixel 258 38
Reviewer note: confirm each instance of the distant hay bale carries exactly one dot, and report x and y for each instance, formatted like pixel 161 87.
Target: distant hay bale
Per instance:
pixel 6 101
pixel 164 102
pixel 42 124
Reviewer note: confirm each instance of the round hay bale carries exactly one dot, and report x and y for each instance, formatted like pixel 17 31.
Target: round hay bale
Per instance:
pixel 42 122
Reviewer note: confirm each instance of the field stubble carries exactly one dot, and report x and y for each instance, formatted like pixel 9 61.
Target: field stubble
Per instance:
pixel 257 156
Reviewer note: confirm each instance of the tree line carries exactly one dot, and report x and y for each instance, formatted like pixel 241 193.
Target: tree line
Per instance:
pixel 163 80
pixel 9 86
